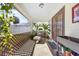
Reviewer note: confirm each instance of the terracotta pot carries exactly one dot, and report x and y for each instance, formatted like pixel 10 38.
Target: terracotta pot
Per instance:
pixel 67 53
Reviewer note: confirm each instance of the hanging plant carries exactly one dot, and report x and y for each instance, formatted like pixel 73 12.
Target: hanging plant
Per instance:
pixel 16 20
pixel 5 18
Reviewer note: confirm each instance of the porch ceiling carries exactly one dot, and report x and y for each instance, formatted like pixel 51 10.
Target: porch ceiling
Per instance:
pixel 36 13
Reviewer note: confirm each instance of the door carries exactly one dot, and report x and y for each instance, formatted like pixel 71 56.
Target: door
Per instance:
pixel 58 24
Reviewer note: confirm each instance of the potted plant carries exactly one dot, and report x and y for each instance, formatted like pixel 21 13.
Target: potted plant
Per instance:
pixel 46 30
pixel 5 27
pixel 35 30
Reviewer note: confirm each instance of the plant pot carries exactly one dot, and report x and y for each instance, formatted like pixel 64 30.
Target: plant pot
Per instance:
pixel 67 53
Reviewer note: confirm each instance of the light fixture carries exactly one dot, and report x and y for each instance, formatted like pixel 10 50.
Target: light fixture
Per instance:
pixel 41 5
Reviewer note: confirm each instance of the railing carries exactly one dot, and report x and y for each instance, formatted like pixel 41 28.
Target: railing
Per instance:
pixel 17 41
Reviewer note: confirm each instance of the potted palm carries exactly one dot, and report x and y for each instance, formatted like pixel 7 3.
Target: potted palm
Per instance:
pixel 46 30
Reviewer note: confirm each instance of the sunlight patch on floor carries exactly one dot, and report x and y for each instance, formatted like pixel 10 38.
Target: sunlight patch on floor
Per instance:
pixel 42 50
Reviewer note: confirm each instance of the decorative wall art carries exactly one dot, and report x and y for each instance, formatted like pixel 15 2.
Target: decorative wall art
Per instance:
pixel 75 13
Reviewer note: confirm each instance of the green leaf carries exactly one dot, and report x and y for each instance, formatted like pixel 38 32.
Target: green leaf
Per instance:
pixel 11 6
pixel 5 19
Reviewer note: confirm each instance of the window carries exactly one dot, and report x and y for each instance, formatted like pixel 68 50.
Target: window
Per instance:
pixel 22 19
pixel 24 24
